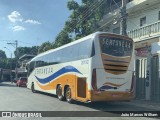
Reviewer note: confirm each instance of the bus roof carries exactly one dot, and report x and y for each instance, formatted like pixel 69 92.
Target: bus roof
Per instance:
pixel 69 44
pixel 66 45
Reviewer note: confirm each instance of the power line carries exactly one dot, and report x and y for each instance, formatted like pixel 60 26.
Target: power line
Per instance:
pixel 84 12
pixel 8 40
pixel 116 15
pixel 27 43
pixel 91 7
pixel 103 26
pixel 112 18
pixel 19 41
pixel 85 16
pixel 116 4
pixel 93 11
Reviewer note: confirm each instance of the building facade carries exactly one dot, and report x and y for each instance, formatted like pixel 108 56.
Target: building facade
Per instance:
pixel 143 26
pixel 22 71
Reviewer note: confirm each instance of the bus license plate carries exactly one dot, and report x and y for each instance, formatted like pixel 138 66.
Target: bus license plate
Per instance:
pixel 115 95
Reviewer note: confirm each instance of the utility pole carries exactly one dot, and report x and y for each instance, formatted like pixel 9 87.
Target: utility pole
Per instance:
pixel 123 17
pixel 10 64
pixel 15 45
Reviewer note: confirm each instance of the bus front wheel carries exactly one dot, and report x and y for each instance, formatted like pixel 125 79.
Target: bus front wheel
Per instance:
pixel 68 95
pixel 59 93
pixel 33 89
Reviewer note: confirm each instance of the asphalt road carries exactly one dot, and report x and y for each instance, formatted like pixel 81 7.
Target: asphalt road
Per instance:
pixel 14 98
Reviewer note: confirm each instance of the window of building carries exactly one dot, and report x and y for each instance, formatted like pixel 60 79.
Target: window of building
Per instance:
pixel 143 21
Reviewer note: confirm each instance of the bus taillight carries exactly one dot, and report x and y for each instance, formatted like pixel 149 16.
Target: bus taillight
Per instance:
pixel 94 80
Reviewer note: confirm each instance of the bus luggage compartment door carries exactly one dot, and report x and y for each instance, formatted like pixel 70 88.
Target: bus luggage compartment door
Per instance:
pixel 81 88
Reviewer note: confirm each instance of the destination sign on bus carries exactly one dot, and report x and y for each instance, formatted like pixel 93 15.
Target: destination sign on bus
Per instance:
pixel 116 46
pixel 116 42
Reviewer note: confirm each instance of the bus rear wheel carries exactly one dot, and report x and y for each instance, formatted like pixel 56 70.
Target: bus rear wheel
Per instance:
pixel 68 95
pixel 59 93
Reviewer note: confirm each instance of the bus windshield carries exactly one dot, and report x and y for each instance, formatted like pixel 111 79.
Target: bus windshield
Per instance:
pixel 116 46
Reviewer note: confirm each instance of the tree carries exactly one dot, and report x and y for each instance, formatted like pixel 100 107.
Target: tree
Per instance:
pixel 27 50
pixel 62 39
pixel 34 50
pixel 72 5
pixel 82 21
pixel 4 61
pixel 2 54
pixel 64 36
pixel 45 46
pixel 89 14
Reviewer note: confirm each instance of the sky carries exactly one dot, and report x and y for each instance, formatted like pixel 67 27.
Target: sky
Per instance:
pixel 31 22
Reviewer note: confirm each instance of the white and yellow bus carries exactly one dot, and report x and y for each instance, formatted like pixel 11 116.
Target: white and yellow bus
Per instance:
pixel 98 67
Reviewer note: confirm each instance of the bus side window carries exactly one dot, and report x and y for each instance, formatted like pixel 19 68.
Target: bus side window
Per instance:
pixel 50 59
pixel 58 56
pixel 53 58
pixel 93 50
pixel 39 62
pixel 85 49
pixel 74 52
pixel 66 54
pixel 31 67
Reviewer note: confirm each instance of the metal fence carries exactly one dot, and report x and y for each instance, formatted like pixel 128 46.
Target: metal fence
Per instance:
pixel 155 79
pixel 141 66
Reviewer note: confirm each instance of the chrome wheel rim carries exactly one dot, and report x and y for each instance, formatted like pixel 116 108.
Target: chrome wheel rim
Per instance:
pixel 68 95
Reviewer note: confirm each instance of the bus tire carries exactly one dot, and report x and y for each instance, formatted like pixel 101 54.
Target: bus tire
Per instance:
pixel 59 93
pixel 68 95
pixel 32 88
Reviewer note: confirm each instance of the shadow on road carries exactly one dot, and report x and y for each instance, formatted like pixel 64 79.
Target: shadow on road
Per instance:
pixel 7 84
pixel 111 107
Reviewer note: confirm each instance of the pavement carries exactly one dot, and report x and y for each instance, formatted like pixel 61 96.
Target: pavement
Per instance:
pixel 146 104
pixel 136 102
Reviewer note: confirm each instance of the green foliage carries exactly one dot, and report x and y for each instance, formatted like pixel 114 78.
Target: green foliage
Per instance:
pixel 7 63
pixel 72 5
pixel 27 50
pixel 2 54
pixel 62 38
pixel 90 13
pixel 4 63
pixel 87 1
pixel 82 21
pixel 45 46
